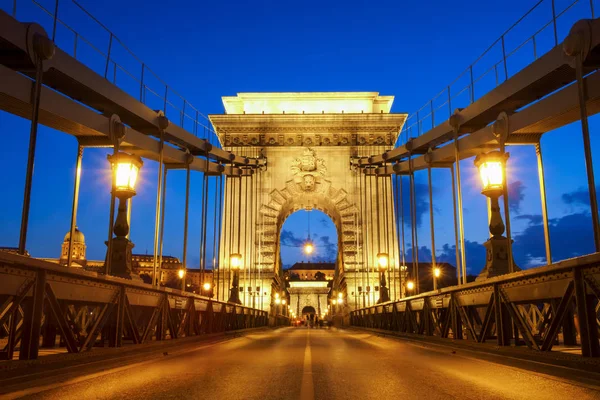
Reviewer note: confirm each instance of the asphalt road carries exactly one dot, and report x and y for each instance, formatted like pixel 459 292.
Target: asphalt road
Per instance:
pixel 298 363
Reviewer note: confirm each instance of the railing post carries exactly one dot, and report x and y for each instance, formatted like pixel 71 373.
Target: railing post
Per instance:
pixel 504 59
pixel 183 113
pixel 75 46
pixel 32 320
pixel 108 56
pixel 55 19
pixel 432 114
pixel 449 103
pixel 472 84
pixel 554 23
pixel 586 313
pixel 142 83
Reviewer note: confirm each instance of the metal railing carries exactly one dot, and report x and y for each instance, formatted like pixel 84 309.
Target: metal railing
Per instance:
pixel 45 305
pixel 539 308
pixel 481 77
pixel 140 82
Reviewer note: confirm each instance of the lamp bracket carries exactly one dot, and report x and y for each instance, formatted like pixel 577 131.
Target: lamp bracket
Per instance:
pixel 501 127
pixel 116 130
pixel 455 120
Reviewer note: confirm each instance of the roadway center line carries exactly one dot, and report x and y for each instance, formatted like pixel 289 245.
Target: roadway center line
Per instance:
pixel 307 390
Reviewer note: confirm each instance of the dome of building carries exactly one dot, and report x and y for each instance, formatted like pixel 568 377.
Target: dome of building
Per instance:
pixel 78 238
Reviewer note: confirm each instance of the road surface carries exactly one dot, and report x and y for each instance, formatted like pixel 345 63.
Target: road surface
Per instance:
pixel 300 363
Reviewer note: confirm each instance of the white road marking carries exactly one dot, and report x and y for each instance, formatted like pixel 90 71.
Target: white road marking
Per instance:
pixel 307 390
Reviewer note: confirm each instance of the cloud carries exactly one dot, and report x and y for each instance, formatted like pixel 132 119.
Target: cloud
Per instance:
pixel 289 239
pixel 325 222
pixel 579 197
pixel 570 236
pixel 327 251
pixel 533 219
pixel 516 194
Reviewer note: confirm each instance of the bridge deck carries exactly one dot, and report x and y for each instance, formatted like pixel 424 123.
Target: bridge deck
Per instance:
pixel 298 363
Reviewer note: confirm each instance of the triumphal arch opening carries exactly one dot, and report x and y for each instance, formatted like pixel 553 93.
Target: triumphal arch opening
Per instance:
pixel 308 140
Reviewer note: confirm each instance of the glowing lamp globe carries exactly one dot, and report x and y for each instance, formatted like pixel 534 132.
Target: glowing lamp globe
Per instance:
pixel 437 272
pixel 410 285
pixel 382 260
pixel 334 302
pixel 277 300
pixel 309 248
pixel 125 169
pixel 491 171
pixel 235 260
pixel 181 273
pixel 340 300
pixel 340 295
pixel 206 286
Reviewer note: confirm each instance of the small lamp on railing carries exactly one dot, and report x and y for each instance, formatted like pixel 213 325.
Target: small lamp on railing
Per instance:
pixel 235 262
pixel 383 262
pixel 207 289
pixel 125 170
pixel 492 167
pixel 437 272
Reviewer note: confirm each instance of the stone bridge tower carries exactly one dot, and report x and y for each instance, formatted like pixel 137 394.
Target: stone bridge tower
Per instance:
pixel 308 140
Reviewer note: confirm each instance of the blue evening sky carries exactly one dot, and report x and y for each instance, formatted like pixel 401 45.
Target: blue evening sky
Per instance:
pixel 205 50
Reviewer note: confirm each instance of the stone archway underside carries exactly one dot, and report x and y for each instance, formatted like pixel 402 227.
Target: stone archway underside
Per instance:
pixel 336 203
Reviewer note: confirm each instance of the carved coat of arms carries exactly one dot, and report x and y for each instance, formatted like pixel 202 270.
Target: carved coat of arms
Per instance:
pixel 308 170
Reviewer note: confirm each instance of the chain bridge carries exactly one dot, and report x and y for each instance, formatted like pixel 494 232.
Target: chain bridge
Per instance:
pixel 149 326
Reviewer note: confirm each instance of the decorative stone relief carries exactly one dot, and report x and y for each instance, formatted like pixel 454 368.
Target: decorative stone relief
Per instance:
pixel 308 170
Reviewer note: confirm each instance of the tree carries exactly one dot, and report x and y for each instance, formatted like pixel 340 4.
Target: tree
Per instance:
pixel 146 278
pixel 319 276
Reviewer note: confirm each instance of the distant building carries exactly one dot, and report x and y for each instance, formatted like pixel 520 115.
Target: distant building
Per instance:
pixel 309 270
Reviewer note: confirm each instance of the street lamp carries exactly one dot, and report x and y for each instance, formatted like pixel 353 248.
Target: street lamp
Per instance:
pixel 309 248
pixel 235 262
pixel 383 261
pixel 410 285
pixel 491 170
pixel 207 288
pixel 436 274
pixel 125 170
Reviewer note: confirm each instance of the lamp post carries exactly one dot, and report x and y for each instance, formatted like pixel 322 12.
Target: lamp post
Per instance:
pixel 491 170
pixel 235 262
pixel 125 169
pixel 383 260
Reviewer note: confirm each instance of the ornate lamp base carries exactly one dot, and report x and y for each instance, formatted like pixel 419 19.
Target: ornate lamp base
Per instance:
pixel 120 262
pixel 234 296
pixel 496 258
